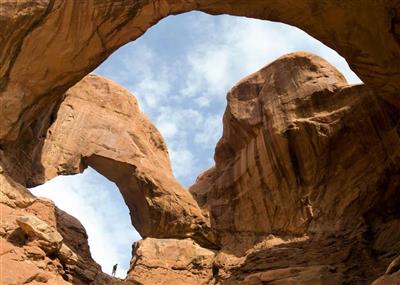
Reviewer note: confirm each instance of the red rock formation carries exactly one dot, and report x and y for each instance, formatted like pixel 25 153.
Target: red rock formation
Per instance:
pixel 40 243
pixel 302 154
pixel 306 183
pixel 100 124
pixel 296 139
pixel 294 144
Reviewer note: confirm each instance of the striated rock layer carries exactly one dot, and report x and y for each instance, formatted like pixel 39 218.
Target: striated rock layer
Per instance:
pixel 305 155
pixel 302 151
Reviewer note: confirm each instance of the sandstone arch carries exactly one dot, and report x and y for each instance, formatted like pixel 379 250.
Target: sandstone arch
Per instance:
pixel 56 46
pixel 59 42
pixel 99 124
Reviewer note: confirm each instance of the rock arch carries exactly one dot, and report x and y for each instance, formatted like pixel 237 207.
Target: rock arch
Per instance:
pixel 99 124
pixel 59 42
pixel 56 46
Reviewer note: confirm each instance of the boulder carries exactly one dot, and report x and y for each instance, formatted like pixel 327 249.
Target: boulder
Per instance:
pixel 172 261
pixel 48 238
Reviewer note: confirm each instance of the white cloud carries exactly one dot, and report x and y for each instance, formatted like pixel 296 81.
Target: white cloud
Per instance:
pixel 167 128
pixel 184 161
pixel 141 73
pixel 243 47
pixel 210 131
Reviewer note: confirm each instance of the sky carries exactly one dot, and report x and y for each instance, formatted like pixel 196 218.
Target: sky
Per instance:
pixel 180 71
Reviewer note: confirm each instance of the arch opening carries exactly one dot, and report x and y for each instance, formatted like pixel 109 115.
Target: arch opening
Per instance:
pixel 213 64
pixel 374 59
pixel 181 69
pixel 98 204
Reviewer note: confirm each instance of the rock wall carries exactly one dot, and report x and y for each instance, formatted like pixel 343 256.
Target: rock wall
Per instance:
pixel 302 151
pixel 305 156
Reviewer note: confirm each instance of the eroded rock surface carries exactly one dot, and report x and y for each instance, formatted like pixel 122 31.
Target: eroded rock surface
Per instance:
pixel 100 124
pixel 35 245
pixel 317 275
pixel 303 153
pixel 171 261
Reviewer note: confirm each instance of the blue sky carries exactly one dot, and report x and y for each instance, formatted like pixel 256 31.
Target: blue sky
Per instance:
pixel 180 71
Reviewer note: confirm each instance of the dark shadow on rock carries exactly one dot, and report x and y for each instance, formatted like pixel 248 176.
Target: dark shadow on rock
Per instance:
pixel 23 162
pixel 86 271
pixel 342 253
pixel 17 237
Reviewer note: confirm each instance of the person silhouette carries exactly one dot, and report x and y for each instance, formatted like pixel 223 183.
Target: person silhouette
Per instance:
pixel 114 269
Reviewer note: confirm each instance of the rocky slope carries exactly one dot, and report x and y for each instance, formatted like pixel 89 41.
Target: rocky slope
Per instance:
pixel 40 243
pixel 305 188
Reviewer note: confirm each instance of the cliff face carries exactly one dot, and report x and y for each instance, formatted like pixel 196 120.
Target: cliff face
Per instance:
pixel 302 151
pixel 305 156
pixel 305 188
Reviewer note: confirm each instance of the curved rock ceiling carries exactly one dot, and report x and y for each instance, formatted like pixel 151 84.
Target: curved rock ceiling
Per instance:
pixel 59 31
